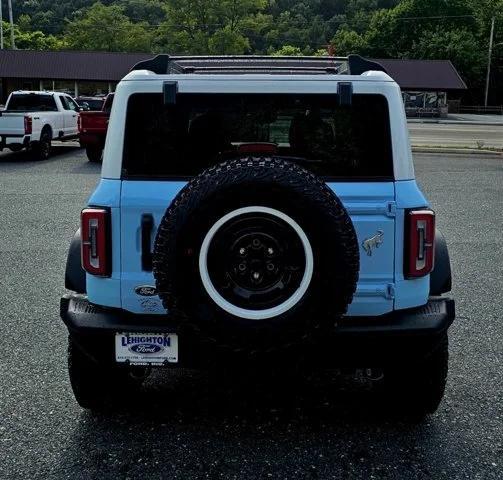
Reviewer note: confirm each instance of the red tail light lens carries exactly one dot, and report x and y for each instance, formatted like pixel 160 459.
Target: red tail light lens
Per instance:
pixel 28 123
pixel 263 148
pixel 95 232
pixel 420 243
pixel 79 123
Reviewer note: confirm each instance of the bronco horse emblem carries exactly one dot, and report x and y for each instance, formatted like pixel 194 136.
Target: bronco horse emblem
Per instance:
pixel 373 242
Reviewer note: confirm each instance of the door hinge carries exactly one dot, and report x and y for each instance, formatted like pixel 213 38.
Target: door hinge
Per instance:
pixel 391 209
pixel 390 291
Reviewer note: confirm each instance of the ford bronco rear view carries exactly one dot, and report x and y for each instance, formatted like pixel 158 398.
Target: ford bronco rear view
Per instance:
pixel 258 207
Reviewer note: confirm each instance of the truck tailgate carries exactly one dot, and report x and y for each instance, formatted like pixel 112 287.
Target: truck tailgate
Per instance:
pixel 11 123
pixel 93 122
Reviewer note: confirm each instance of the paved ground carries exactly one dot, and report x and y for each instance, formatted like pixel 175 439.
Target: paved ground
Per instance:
pixel 453 135
pixel 475 118
pixel 201 434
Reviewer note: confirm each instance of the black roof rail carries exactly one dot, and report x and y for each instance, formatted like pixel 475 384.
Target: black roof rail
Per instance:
pixel 351 65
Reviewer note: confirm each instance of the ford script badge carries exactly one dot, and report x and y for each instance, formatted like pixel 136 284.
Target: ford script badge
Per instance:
pixel 146 291
pixel 145 348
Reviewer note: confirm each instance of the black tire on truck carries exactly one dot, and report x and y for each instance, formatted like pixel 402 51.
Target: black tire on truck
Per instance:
pixel 255 255
pixel 42 149
pixel 97 386
pixel 94 154
pixel 417 389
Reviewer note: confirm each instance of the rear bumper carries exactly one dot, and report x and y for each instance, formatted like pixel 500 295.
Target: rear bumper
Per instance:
pixel 6 140
pixel 92 139
pixel 355 341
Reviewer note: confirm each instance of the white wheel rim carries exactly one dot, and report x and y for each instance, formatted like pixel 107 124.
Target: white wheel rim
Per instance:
pixel 268 312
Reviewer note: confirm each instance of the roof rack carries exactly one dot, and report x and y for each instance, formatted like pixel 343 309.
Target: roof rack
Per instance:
pixel 166 64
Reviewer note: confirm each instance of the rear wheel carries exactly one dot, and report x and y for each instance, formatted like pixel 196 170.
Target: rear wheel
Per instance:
pixel 94 154
pixel 97 386
pixel 42 148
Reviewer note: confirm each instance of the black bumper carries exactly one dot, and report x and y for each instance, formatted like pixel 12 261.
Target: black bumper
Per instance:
pixel 354 340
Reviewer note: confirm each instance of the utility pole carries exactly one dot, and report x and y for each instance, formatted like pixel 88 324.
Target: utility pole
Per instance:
pixel 488 78
pixel 1 25
pixel 11 20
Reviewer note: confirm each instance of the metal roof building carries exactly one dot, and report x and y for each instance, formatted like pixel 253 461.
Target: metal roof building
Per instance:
pixel 425 83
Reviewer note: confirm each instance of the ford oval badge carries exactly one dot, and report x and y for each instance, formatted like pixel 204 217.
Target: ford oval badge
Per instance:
pixel 145 348
pixel 146 291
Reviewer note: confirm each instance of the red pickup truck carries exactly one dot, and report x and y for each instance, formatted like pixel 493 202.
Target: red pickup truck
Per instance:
pixel 93 129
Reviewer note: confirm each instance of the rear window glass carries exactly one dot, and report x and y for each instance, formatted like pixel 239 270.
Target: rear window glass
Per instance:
pixel 203 129
pixel 32 103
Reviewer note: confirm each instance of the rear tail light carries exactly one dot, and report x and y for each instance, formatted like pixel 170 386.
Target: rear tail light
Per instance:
pixel 28 123
pixel 420 243
pixel 95 232
pixel 79 122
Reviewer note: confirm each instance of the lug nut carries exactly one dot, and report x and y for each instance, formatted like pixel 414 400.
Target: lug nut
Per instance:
pixel 256 276
pixel 242 251
pixel 270 251
pixel 270 267
pixel 242 267
pixel 256 242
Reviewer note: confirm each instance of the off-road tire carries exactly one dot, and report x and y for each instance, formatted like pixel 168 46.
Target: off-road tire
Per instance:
pixel 94 154
pixel 42 149
pixel 416 390
pixel 229 187
pixel 97 387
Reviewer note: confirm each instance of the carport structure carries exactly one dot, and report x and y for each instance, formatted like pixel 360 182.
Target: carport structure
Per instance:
pixel 426 84
pixel 72 72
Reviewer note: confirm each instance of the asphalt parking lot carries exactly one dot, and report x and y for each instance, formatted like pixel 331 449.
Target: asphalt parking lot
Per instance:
pixel 204 434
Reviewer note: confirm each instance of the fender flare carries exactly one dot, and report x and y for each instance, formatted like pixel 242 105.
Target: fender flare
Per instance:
pixel 75 275
pixel 441 276
pixel 47 128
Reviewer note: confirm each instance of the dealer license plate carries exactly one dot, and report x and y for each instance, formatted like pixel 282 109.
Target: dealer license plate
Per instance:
pixel 146 348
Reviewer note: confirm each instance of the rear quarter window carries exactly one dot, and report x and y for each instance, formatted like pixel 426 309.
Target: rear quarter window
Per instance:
pixel 200 130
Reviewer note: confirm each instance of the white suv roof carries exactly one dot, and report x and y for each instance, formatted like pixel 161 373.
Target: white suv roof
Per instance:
pixel 256 74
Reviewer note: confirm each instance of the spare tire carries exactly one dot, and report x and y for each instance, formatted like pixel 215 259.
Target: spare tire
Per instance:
pixel 256 253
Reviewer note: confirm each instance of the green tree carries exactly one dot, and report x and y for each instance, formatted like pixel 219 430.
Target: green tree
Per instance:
pixel 346 42
pixel 287 51
pixel 226 41
pixel 32 40
pixel 199 26
pixel 422 29
pixel 102 27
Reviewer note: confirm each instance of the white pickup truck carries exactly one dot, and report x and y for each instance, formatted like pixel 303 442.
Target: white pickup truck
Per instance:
pixel 33 119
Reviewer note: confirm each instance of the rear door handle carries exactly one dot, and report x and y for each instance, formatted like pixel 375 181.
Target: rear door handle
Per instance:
pixel 147 225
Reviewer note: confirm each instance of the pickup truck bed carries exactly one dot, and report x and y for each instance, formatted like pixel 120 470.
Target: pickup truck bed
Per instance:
pixel 93 130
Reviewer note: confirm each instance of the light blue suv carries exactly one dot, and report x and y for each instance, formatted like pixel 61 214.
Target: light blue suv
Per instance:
pixel 258 207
